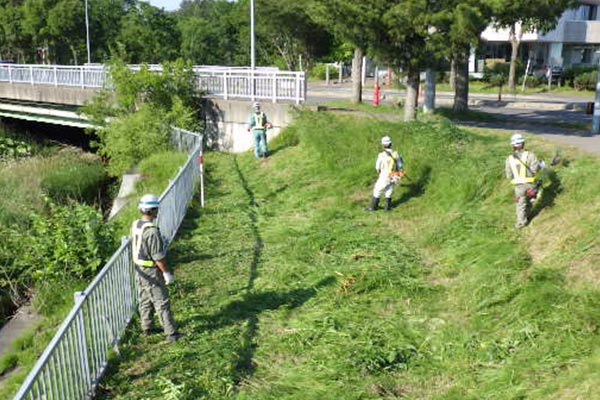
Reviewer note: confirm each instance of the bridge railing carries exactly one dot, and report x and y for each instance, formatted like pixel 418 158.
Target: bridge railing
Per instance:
pixel 226 82
pixel 73 362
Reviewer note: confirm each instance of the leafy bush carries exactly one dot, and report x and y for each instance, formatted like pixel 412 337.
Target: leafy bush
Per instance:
pixel 496 69
pixel 13 148
pixel 133 137
pixel 569 74
pixel 586 81
pixel 68 241
pixel 318 71
pixel 533 81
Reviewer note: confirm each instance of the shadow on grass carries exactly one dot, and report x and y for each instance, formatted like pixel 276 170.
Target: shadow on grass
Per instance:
pixel 249 309
pixel 414 188
pixel 549 194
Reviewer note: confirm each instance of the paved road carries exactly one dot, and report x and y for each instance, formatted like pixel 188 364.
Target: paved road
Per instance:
pixel 557 117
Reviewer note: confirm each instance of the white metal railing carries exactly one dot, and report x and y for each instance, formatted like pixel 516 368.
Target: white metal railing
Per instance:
pixel 75 359
pixel 226 82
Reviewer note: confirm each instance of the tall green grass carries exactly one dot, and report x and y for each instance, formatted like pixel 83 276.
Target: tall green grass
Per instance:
pixel 286 288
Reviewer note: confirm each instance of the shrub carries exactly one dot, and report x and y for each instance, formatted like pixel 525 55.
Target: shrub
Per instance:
pixel 68 241
pixel 533 81
pixel 318 71
pixel 13 148
pixel 586 81
pixel 569 74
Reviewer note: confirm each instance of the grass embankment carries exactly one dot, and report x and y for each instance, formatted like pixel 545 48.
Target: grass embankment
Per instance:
pixel 286 288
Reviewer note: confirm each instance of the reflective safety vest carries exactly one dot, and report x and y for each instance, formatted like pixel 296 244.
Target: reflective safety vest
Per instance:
pixel 519 170
pixel 137 231
pixel 259 121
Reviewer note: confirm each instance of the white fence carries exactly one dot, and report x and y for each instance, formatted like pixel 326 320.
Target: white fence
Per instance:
pixel 226 82
pixel 73 362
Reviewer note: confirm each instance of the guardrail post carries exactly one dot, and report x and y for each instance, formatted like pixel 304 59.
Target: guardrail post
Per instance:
pixel 31 73
pixel 81 338
pixel 225 88
pixel 297 88
pixel 82 79
pixel 55 76
pixel 9 74
pixel 274 77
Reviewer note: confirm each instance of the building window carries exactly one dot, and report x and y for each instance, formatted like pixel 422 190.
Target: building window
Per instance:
pixel 590 12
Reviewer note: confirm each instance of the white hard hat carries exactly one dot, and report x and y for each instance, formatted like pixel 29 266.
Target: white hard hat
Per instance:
pixel 517 139
pixel 386 140
pixel 148 202
pixel 256 105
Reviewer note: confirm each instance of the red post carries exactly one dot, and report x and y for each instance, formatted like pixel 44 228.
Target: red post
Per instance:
pixel 376 93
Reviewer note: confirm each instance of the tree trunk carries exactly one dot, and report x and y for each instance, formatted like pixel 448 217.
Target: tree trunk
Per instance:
pixel 357 76
pixel 515 41
pixel 452 74
pixel 429 105
pixel 412 91
pixel 461 91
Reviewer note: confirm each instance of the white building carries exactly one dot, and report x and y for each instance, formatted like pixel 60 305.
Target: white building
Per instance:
pixel 573 42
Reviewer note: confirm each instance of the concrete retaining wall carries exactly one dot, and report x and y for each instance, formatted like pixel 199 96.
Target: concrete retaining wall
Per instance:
pixel 226 122
pixel 46 93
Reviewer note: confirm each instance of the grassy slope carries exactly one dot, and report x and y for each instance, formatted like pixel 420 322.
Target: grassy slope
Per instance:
pixel 287 289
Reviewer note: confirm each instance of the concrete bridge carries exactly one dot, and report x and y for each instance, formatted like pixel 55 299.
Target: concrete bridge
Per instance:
pixel 54 95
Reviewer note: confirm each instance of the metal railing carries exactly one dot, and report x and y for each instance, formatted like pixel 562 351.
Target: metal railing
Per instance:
pixel 75 359
pixel 226 82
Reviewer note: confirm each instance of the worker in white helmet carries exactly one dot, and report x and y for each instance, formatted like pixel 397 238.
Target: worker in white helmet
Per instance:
pixel 522 168
pixel 149 252
pixel 258 125
pixel 389 166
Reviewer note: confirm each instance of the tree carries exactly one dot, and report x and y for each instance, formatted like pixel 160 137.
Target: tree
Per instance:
pixel 461 23
pixel 65 27
pixel 148 35
pixel 210 32
pixel 350 21
pixel 520 16
pixel 305 39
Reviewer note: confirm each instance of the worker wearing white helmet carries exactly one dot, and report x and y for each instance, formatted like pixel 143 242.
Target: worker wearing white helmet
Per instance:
pixel 258 125
pixel 389 169
pixel 152 273
pixel 522 168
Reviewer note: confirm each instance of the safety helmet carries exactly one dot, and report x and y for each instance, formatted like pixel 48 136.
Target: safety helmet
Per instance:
pixel 517 139
pixel 386 140
pixel 256 105
pixel 148 202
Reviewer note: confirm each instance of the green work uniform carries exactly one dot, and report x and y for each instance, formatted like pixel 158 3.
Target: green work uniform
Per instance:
pixel 148 247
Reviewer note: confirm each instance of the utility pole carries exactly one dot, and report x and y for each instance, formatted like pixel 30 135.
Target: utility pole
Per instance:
pixel 252 59
pixel 596 117
pixel 87 33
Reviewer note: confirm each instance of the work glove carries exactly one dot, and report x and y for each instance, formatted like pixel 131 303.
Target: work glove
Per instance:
pixel 169 278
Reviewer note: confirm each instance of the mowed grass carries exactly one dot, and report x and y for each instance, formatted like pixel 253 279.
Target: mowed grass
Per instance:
pixel 287 289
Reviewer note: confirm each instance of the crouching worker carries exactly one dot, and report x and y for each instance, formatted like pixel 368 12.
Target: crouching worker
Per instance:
pixel 389 167
pixel 152 273
pixel 522 169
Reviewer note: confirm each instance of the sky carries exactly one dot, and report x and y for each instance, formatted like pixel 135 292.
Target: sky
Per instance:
pixel 168 5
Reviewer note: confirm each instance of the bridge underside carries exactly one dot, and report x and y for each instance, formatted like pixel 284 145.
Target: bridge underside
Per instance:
pixel 44 113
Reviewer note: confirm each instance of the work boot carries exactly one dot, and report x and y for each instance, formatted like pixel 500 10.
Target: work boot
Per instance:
pixel 388 204
pixel 174 337
pixel 374 204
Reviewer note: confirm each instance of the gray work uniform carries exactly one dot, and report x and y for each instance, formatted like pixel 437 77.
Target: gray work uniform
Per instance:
pixel 521 168
pixel 153 292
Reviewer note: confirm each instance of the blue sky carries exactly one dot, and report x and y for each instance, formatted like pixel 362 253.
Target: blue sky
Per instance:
pixel 168 5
